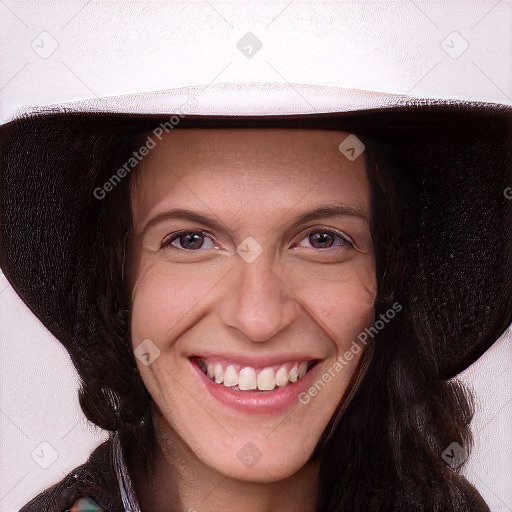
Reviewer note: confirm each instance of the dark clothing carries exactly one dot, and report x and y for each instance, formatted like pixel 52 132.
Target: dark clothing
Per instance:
pixel 95 478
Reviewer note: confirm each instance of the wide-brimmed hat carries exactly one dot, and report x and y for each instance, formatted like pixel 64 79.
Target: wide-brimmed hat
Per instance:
pixel 458 146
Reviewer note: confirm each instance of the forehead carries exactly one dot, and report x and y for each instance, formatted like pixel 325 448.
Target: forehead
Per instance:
pixel 249 168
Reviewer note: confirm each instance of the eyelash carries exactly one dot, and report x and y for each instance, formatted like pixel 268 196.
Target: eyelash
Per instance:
pixel 168 241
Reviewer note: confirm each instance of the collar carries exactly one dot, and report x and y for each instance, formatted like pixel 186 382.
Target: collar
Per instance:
pixel 128 496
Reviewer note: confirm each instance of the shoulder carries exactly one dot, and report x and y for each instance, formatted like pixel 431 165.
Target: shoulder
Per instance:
pixel 95 479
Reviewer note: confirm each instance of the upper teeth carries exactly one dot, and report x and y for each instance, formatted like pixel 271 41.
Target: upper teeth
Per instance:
pixel 248 378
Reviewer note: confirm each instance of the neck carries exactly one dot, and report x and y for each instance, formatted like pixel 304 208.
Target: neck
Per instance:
pixel 180 481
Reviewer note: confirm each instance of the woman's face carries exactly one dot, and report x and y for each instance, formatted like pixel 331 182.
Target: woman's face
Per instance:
pixel 251 262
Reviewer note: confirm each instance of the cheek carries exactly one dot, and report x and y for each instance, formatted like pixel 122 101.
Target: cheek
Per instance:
pixel 343 300
pixel 347 311
pixel 163 297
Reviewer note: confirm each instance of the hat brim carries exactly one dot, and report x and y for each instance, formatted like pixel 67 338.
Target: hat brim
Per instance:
pixel 248 99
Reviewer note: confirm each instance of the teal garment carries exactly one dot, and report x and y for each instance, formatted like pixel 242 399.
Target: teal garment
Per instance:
pixel 86 504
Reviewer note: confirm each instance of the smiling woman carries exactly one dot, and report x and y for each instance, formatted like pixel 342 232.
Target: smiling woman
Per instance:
pixel 263 322
pixel 246 321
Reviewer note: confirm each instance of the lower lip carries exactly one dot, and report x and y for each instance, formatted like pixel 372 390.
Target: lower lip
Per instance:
pixel 258 402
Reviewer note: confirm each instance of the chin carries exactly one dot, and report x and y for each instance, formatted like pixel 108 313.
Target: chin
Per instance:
pixel 268 465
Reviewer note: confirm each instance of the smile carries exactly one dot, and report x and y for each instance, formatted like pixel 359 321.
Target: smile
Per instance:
pixel 248 378
pixel 257 388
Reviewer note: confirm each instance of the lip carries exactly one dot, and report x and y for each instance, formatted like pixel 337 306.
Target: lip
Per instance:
pixel 258 402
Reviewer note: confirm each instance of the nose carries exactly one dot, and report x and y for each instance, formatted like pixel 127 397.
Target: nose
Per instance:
pixel 256 301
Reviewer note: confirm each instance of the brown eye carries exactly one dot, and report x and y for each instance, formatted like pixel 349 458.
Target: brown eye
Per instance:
pixel 321 240
pixel 325 239
pixel 189 241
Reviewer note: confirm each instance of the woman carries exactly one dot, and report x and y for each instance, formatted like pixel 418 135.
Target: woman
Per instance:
pixel 253 348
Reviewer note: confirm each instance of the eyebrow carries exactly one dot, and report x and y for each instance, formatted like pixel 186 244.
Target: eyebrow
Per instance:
pixel 330 210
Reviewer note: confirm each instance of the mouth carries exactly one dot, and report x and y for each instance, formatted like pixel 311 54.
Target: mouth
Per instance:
pixel 255 388
pixel 248 378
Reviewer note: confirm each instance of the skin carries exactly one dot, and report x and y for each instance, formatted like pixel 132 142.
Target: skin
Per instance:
pixel 293 297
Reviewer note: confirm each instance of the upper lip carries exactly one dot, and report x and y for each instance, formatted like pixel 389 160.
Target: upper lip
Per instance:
pixel 260 361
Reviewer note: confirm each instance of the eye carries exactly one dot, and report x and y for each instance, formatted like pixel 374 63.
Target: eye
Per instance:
pixel 189 241
pixel 325 239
